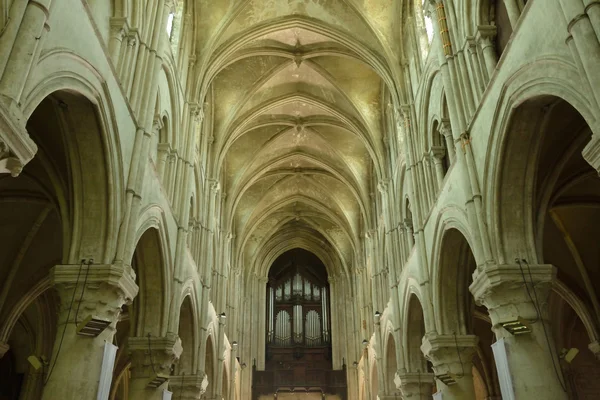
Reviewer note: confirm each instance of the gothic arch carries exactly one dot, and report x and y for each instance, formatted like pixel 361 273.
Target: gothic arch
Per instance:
pixel 561 81
pixel 150 264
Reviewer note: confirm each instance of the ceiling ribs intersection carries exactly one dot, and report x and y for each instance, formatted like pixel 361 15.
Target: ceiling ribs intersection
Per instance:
pixel 297 121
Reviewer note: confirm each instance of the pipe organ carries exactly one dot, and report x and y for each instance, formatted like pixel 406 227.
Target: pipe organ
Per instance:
pixel 298 331
pixel 298 311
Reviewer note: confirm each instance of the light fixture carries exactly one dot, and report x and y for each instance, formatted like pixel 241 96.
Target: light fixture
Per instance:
pixel 365 343
pixel 355 364
pixel 37 362
pixel 377 316
pixel 517 327
pixel 222 316
pixel 243 365
pixel 569 354
pixel 446 379
pixel 234 344
pixel 158 380
pixel 92 326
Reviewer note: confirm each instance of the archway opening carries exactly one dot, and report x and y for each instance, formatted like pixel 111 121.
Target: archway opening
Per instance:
pixel 552 217
pixel 298 348
pixel 391 366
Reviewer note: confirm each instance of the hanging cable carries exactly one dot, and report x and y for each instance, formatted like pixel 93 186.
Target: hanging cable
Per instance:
pixel 62 336
pixel 151 358
pixel 539 311
pixel 459 358
pixel 87 273
pixel 537 318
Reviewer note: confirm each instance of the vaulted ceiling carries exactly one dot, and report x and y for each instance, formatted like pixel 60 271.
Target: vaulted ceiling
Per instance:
pixel 297 89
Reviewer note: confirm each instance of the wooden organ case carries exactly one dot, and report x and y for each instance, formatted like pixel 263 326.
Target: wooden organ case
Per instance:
pixel 298 342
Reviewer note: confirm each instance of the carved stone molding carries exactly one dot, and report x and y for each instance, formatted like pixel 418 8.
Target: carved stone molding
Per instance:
pixel 502 289
pixel 414 385
pixel 190 387
pixel 16 147
pixel 107 288
pixel 153 355
pixel 450 354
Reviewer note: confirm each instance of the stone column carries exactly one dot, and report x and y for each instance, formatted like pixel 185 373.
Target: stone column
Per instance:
pixel 414 385
pixel 76 360
pixel 151 362
pixel 502 290
pixel 25 49
pixel 446 132
pixel 485 36
pixel 586 42
pixel 190 387
pixel 513 11
pixel 437 154
pixel 452 359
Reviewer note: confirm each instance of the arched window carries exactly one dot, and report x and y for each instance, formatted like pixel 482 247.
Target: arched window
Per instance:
pixel 428 22
pixel 174 27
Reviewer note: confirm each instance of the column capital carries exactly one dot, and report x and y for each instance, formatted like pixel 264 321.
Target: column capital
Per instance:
pixel 107 288
pixel 414 385
pixel 437 152
pixel 189 387
pixel 16 147
pixel 486 33
pixel 153 355
pixel 450 354
pixel 506 290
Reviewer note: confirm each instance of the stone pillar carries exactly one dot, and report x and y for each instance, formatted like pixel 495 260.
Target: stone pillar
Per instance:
pixel 513 11
pixel 190 387
pixel 502 290
pixel 452 358
pixel 485 36
pixel 446 132
pixel 25 49
pixel 76 360
pixel 586 43
pixel 437 154
pixel 414 385
pixel 151 361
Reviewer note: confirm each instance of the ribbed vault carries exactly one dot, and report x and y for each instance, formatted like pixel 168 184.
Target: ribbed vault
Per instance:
pixel 295 91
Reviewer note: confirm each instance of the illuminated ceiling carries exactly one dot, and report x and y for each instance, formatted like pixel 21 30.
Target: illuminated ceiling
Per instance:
pixel 296 89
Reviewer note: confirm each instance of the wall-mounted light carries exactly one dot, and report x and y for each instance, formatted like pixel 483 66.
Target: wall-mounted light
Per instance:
pixel 37 362
pixel 365 343
pixel 92 326
pixel 569 354
pixel 222 316
pixel 517 327
pixel 158 380
pixel 446 379
pixel 377 316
